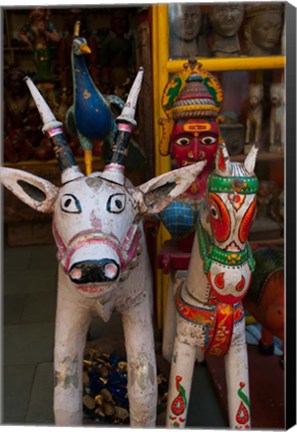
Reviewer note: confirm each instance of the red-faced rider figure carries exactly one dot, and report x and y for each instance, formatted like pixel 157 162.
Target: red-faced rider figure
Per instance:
pixel 192 101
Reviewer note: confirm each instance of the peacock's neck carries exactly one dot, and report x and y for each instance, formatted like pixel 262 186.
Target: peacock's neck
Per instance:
pixel 82 81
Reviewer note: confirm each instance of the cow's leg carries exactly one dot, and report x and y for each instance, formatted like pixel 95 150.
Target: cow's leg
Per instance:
pixel 180 383
pixel 237 379
pixel 142 376
pixel 176 279
pixel 72 322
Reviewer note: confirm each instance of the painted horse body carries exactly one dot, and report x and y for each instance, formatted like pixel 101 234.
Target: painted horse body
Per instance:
pixel 209 312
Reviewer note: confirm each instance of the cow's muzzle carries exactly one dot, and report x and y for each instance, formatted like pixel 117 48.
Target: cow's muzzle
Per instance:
pixel 94 271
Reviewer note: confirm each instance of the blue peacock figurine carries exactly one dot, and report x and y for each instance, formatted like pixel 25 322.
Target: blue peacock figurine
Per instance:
pixel 89 118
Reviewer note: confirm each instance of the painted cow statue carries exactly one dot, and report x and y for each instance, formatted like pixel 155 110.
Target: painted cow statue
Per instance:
pixel 103 261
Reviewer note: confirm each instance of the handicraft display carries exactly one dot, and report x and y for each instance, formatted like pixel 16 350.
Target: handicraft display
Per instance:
pixel 103 261
pixel 209 316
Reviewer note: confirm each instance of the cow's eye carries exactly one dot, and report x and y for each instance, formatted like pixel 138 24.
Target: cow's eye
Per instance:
pixel 116 203
pixel 70 204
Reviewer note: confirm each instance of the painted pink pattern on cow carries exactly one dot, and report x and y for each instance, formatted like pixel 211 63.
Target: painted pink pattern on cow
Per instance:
pixel 95 221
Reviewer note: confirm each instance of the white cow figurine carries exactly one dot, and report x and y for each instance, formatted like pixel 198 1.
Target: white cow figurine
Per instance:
pixel 209 316
pixel 254 116
pixel 103 260
pixel 277 118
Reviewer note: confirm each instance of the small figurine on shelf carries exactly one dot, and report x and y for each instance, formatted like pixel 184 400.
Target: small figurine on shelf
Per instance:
pixel 17 99
pixel 263 28
pixel 254 116
pixel 185 22
pixel 89 118
pixel 117 56
pixel 277 118
pixel 73 15
pixel 39 35
pixel 225 20
pixel 191 100
pixel 18 107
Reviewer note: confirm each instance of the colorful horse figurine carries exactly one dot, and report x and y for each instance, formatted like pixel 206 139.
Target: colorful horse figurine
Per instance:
pixel 209 313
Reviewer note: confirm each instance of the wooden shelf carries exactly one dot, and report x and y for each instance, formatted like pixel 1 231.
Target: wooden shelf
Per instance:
pixel 17 49
pixel 262 156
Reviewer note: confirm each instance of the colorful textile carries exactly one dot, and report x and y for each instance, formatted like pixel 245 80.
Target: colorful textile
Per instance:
pixel 218 321
pixel 180 217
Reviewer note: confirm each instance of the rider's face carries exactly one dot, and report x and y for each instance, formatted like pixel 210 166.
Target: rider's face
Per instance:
pixel 194 140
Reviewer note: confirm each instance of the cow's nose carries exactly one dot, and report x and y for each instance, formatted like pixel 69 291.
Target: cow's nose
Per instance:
pixel 94 271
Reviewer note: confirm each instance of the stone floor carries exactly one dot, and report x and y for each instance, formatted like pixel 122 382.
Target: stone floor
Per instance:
pixel 28 306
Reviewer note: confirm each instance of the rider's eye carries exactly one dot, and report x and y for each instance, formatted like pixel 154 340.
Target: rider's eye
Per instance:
pixel 116 203
pixel 208 140
pixel 183 141
pixel 70 204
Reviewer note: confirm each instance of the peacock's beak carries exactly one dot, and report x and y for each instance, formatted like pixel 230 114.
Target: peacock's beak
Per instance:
pixel 85 49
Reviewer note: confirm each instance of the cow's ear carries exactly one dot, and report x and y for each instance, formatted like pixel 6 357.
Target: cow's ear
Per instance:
pixel 34 191
pixel 156 194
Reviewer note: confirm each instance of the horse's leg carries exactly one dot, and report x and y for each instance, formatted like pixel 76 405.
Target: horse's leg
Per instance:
pixel 170 319
pixel 72 322
pixel 200 355
pixel 180 383
pixel 237 379
pixel 142 376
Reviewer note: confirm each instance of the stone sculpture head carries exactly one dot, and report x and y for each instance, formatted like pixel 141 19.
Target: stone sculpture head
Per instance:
pixel 185 20
pixel 263 27
pixel 226 18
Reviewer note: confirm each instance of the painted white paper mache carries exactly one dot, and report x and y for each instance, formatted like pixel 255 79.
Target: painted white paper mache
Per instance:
pixel 103 260
pixel 209 312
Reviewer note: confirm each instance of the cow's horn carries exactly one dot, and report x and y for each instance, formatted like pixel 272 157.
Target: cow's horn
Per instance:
pixel 53 129
pixel 114 171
